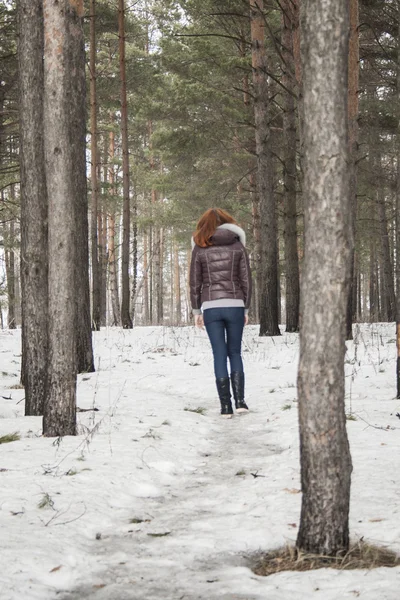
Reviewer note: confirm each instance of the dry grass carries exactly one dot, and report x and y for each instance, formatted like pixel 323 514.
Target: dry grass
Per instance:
pixel 360 556
pixel 10 437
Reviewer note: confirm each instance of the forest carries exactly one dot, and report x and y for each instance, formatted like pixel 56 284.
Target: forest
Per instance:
pixel 121 122
pixel 190 143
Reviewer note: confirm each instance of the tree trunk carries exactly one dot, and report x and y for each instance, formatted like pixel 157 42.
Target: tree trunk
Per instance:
pixel 34 249
pixel 134 291
pixel 269 260
pixel 77 112
pixel 325 456
pixel 290 174
pixel 353 85
pixel 177 285
pixel 96 309
pixel 398 208
pixel 125 314
pixel 62 22
pixel 10 274
pixel 387 290
pixel 146 314
pixel 112 252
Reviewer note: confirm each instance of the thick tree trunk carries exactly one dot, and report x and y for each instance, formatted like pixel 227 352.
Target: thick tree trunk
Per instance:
pixel 353 90
pixel 62 24
pixel 126 218
pixel 77 111
pixel 34 249
pixel 325 456
pixel 290 173
pixel 269 324
pixel 96 309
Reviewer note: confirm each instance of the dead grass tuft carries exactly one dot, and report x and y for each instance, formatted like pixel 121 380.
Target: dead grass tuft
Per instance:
pixel 10 437
pixel 360 556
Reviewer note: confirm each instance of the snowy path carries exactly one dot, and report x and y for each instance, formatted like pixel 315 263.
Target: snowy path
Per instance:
pixel 197 515
pixel 162 503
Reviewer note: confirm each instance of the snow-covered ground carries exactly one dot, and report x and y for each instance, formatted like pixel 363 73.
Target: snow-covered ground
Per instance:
pixel 152 501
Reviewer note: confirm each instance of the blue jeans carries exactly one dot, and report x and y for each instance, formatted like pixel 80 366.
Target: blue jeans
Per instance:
pixel 225 329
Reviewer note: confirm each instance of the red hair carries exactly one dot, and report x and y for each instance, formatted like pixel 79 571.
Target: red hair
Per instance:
pixel 208 223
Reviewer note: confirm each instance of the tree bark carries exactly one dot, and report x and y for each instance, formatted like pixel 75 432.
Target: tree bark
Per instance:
pixel 96 309
pixel 177 284
pixel 125 313
pixel 398 208
pixel 34 248
pixel 353 103
pixel 269 260
pixel 290 173
pixel 146 314
pixel 9 243
pixel 63 43
pixel 112 251
pixel 387 287
pixel 77 110
pixel 325 456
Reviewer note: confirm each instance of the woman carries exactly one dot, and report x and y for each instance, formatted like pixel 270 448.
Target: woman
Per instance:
pixel 220 286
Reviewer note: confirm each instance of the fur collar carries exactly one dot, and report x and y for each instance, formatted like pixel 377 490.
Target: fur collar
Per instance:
pixel 234 228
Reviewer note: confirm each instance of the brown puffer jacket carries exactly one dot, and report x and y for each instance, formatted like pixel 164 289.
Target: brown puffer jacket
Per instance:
pixel 220 271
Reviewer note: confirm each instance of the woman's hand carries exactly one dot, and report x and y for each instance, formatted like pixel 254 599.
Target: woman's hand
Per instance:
pixel 198 321
pixel 246 319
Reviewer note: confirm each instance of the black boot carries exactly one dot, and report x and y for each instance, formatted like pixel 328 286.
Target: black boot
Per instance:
pixel 224 394
pixel 237 380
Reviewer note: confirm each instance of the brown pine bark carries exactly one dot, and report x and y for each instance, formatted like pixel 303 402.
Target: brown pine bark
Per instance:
pixel 290 172
pixel 125 313
pixel 325 456
pixel 269 325
pixel 96 308
pixel 63 42
pixel 34 248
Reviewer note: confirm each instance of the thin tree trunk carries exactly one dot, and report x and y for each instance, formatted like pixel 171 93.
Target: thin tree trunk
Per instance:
pixel 290 174
pixel 398 208
pixel 112 252
pixel 256 258
pixel 269 260
pixel 325 456
pixel 146 314
pixel 10 274
pixel 353 90
pixel 96 309
pixel 134 292
pixel 103 239
pixel 125 313
pixel 77 116
pixel 34 243
pixel 388 296
pixel 61 21
pixel 177 284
